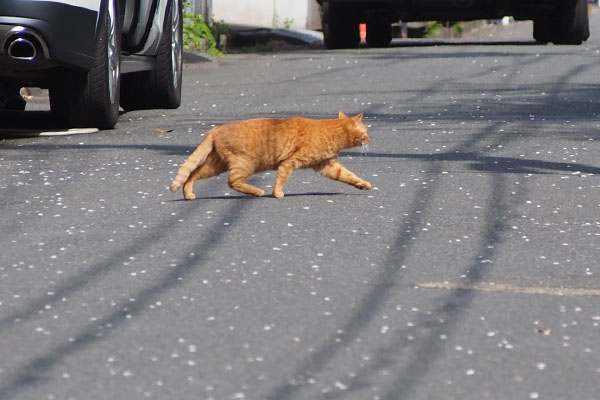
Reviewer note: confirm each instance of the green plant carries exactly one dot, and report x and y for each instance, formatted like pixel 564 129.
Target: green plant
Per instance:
pixel 433 29
pixel 258 48
pixel 458 28
pixel 287 23
pixel 195 29
pixel 219 28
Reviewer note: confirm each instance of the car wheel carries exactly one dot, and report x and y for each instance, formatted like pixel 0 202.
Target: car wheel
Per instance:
pixel 339 31
pixel 91 98
pixel 161 87
pixel 573 23
pixel 379 35
pixel 542 30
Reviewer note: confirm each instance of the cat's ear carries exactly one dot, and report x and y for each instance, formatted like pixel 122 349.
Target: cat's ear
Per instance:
pixel 341 115
pixel 357 118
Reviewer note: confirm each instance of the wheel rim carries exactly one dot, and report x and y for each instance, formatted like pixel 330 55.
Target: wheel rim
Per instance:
pixel 176 43
pixel 113 53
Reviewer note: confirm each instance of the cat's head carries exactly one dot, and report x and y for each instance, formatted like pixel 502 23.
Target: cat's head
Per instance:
pixel 356 129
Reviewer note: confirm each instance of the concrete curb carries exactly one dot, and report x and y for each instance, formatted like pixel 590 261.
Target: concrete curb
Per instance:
pixel 245 35
pixel 299 36
pixel 191 57
pixel 251 35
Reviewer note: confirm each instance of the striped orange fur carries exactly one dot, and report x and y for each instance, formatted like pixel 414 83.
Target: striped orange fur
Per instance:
pixel 249 146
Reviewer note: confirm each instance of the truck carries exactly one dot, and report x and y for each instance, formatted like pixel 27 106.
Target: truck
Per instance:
pixel 555 21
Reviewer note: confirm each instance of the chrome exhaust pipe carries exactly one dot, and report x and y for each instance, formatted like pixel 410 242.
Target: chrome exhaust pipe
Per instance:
pixel 23 44
pixel 22 49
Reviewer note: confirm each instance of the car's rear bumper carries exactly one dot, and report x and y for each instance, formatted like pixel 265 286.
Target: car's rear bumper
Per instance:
pixel 67 31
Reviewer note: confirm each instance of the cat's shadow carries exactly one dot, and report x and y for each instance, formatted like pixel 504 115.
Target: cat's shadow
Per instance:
pixel 246 196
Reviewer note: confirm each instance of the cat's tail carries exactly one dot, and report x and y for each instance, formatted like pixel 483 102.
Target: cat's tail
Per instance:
pixel 193 161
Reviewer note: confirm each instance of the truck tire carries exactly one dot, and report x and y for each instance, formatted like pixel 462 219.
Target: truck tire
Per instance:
pixel 573 23
pixel 379 35
pixel 542 30
pixel 161 87
pixel 339 30
pixel 91 98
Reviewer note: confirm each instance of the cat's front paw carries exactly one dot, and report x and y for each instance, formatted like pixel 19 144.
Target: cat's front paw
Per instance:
pixel 364 185
pixel 278 193
pixel 189 196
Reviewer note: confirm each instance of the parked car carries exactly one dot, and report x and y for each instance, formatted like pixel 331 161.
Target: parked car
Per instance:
pixel 92 55
pixel 557 21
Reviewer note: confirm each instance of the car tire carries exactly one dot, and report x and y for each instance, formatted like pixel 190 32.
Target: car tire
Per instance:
pixel 573 23
pixel 339 30
pixel 91 98
pixel 379 35
pixel 161 87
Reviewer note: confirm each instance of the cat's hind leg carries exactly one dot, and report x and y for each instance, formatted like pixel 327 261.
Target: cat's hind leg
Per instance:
pixel 237 181
pixel 213 166
pixel 334 170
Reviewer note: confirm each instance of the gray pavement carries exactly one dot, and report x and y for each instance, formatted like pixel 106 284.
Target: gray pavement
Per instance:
pixel 469 271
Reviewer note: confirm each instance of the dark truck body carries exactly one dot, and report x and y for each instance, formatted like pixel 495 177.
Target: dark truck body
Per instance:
pixel 558 21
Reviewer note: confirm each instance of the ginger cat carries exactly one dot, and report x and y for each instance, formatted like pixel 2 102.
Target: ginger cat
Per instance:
pixel 250 146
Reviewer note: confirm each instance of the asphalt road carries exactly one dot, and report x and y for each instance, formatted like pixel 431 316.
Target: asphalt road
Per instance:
pixel 470 271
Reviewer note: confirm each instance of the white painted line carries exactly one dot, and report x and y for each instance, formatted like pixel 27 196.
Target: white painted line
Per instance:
pixel 500 287
pixel 74 131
